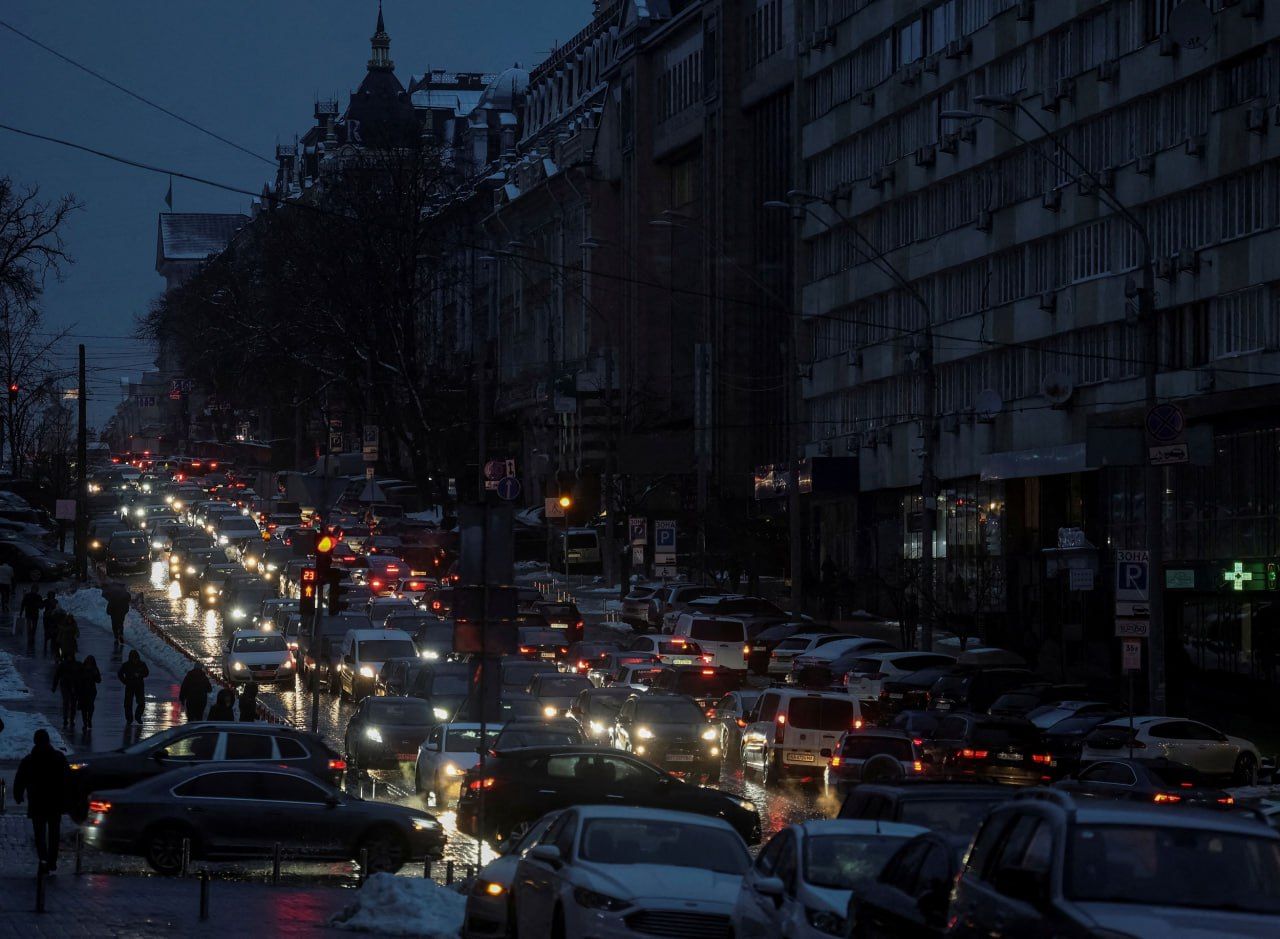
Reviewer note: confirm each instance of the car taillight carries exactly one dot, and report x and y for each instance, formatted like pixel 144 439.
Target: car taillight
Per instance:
pixel 583 666
pixel 967 754
pixel 525 650
pixel 98 806
pixel 1045 758
pixel 1165 797
pixel 578 625
pixel 780 728
pixel 375 584
pixel 746 650
pixel 1227 800
pixel 857 723
pixel 918 741
pixel 436 604
pixel 338 766
pixel 917 767
pixel 477 784
pixel 708 671
pixel 740 722
pixel 836 761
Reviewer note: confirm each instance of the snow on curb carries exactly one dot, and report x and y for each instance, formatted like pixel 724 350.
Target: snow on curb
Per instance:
pixel 89 607
pixel 12 687
pixel 19 728
pixel 404 906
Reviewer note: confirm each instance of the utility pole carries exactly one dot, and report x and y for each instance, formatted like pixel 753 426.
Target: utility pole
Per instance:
pixel 82 478
pixel 1154 480
pixel 928 484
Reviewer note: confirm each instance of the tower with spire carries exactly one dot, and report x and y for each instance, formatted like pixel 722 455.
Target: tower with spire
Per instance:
pixel 381 43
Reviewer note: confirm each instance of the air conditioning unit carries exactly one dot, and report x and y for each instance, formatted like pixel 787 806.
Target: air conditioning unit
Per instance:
pixel 1052 200
pixel 910 74
pixel 1255 118
pixel 1026 10
pixel 1188 259
pixel 1168 45
pixel 1109 70
pixel 1103 179
pixel 958 47
pixel 1146 164
pixel 950 141
pixel 983 221
pixel 870 440
pixel 968 133
pixel 881 176
pixel 827 35
pixel 885 436
pixel 1196 145
pixel 843 191
pixel 1252 9
pixel 1164 268
pixel 1062 89
pixel 1049 301
pixel 866 98
pixel 926 155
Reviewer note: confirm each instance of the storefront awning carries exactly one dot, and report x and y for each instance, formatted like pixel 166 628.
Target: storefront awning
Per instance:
pixel 1041 461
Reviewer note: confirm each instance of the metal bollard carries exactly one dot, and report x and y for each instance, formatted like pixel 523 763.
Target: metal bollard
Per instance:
pixel 41 870
pixel 275 866
pixel 186 856
pixel 448 873
pixel 204 894
pixel 79 852
pixel 364 865
pixel 426 869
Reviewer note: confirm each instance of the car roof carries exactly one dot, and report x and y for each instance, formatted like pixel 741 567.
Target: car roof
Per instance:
pixel 362 634
pixel 248 633
pixel 931 789
pixel 590 812
pixel 858 826
pixel 1106 812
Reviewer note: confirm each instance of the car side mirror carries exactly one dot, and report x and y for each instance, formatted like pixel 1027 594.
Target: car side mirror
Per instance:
pixel 547 853
pixel 1019 883
pixel 331 802
pixel 772 887
pixel 825 753
pixel 160 755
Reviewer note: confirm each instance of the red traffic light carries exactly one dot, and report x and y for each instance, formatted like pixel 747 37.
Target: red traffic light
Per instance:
pixel 13 389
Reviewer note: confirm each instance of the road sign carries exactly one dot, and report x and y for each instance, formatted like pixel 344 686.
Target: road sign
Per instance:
pixel 336 443
pixel 370 443
pixel 508 488
pixel 637 555
pixel 1132 575
pixel 639 529
pixel 1133 628
pixel 1131 655
pixel 64 510
pixel 1080 578
pixel 665 570
pixel 495 470
pixel 1168 454
pixel 1130 609
pixel 551 508
pixel 664 536
pixel 1165 423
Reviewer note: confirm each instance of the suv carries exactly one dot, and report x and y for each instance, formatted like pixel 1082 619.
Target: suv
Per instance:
pixel 873 755
pixel 793 732
pixel 363 652
pixel 723 638
pixel 993 749
pixel 128 552
pixel 1046 864
pixel 953 809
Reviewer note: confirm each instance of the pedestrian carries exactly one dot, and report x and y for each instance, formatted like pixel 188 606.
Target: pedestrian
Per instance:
pixel 249 701
pixel 118 609
pixel 52 613
pixel 31 606
pixel 67 677
pixel 43 775
pixel 133 675
pixel 6 585
pixel 68 636
pixel 224 706
pixel 87 689
pixel 194 693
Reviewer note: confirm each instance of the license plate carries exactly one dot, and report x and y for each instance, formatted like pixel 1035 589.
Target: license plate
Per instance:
pixel 682 660
pixel 894 696
pixel 1011 756
pixel 943 706
pixel 406 756
pixel 546 655
pixel 801 757
pixel 680 757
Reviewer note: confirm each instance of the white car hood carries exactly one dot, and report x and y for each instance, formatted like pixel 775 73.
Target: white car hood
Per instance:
pixel 259 658
pixel 662 886
pixel 1161 922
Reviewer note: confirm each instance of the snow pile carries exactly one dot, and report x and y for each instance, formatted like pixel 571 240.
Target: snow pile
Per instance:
pixel 433 514
pixel 12 687
pixel 89 609
pixel 404 906
pixel 19 728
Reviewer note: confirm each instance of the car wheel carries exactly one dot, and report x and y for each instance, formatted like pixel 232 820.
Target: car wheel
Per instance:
pixel 163 849
pixel 772 772
pixel 387 850
pixel 742 760
pixel 1246 773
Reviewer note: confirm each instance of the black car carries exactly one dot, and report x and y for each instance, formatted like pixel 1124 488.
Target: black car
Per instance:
pixel 202 743
pixel 245 810
pixel 991 749
pixel 969 688
pixel 128 552
pixel 396 675
pixel 1159 781
pixel 444 685
pixel 953 809
pixel 911 895
pixel 595 709
pixel 706 684
pixel 1019 702
pixel 916 723
pixel 31 564
pixel 908 693
pixel 520 786
pixel 523 732
pixel 1065 739
pixel 564 618
pixel 672 731
pixel 385 732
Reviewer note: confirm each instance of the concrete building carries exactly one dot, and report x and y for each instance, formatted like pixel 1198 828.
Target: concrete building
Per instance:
pixel 1030 279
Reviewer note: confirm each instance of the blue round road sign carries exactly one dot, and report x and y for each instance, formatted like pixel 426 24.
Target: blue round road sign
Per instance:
pixel 508 488
pixel 1165 423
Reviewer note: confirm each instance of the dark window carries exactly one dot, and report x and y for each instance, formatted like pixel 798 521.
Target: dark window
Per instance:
pixel 995 737
pixel 290 749
pixel 277 787
pixel 696 683
pixel 861 748
pixel 220 786
pixel 820 713
pixel 768 859
pixel 1116 773
pixel 194 748
pixel 901 870
pixel 249 747
pixel 711 630
pixel 768 707
pixel 978 862
pixel 935 871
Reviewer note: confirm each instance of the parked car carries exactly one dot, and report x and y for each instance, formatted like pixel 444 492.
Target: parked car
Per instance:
pixel 444 756
pixel 873 755
pixel 245 811
pixel 785 652
pixel 675 599
pixel 1065 740
pixel 385 732
pixel 953 809
pixel 911 895
pixel 1161 782
pixel 31 563
pixel 790 729
pixel 908 693
pixel 1020 701
pixel 1046 715
pixel 258 655
pixel 865 676
pixel 969 688
pixel 639 608
pixel 766 640
pixel 1197 745
pixel 991 749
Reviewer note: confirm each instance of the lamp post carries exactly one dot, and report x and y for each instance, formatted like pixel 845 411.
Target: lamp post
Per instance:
pixel 1153 476
pixel 566 502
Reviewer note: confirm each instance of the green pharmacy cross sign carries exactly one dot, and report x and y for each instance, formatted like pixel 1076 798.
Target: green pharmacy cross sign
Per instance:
pixel 1250 576
pixel 1237 577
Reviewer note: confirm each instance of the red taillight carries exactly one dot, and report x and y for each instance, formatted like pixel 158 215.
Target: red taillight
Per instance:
pixel 583 666
pixel 836 761
pixel 436 604
pixel 1166 797
pixel 857 723
pixel 712 671
pixel 1227 800
pixel 1185 785
pixel 917 767
pixel 1045 758
pixel 375 584
pixel 338 766
pixel 98 806
pixel 393 569
pixel 967 754
pixel 780 728
pixel 740 722
pixel 918 741
pixel 477 784
pixel 578 624
pixel 525 650
pixel 415 585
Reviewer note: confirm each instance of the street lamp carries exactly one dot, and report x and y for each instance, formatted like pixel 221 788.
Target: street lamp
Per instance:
pixel 1153 474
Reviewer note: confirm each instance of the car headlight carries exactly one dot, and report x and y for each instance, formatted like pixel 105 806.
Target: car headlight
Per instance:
pixel 272 567
pixel 77 766
pixel 210 589
pixel 598 901
pixel 550 711
pixel 425 824
pixel 237 613
pixel 366 671
pixel 488 888
pixel 451 769
pixel 440 714
pixel 430 654
pixel 709 735
pixel 287 664
pixel 597 727
pixel 222 539
pixel 95 544
pixel 237 666
pixel 644 733
pixel 741 803
pixel 191 569
pixel 139 512
pixel 825 921
pixel 373 734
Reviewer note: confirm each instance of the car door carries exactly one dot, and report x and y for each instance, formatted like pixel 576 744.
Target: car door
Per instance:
pixel 1106 779
pixel 759 729
pixel 1027 848
pixel 296 814
pixel 1209 751
pixel 1166 738
pixel 888 906
pixel 756 912
pixel 537 882
pixel 621 780
pixel 218 806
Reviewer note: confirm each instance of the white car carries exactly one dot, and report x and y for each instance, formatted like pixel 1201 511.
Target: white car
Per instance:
pixel 1175 738
pixel 488 911
pixel 866 676
pixel 800 884
pixel 827 653
pixel 618 871
pixel 785 652
pixel 671 650
pixel 444 758
pixel 259 655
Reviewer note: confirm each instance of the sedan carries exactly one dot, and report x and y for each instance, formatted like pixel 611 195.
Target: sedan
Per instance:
pixel 1157 781
pixel 912 894
pixel 385 732
pixel 671 731
pixel 621 871
pixel 1197 745
pixel 259 655
pixel 245 810
pixel 555 691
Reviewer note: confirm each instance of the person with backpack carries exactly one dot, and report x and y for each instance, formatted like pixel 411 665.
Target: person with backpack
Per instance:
pixel 132 675
pixel 194 693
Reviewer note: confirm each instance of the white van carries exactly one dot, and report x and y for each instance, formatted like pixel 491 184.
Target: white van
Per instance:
pixel 364 651
pixel 578 548
pixel 793 732
pixel 722 637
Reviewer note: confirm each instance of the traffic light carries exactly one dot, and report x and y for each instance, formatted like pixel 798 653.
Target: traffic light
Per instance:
pixel 324 557
pixel 13 390
pixel 307 602
pixel 337 590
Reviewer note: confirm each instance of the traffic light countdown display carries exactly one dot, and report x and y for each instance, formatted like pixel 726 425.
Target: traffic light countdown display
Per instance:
pixel 307 603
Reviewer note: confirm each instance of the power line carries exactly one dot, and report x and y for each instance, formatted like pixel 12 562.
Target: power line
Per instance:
pixel 133 94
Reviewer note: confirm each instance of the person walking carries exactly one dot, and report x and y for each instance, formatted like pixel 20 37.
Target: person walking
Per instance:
pixel 68 636
pixel 224 706
pixel 52 615
pixel 6 585
pixel 249 701
pixel 31 606
pixel 194 693
pixel 118 609
pixel 67 677
pixel 43 775
pixel 87 689
pixel 132 675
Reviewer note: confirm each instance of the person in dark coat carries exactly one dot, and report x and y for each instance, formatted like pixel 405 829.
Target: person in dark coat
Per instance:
pixel 68 636
pixel 224 707
pixel 194 693
pixel 132 675
pixel 249 701
pixel 51 614
pixel 31 606
pixel 43 775
pixel 66 676
pixel 87 689
pixel 118 609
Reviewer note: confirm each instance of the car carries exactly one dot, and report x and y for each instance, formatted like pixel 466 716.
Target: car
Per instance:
pixel 379 608
pixel 397 675
pixel 1065 739
pixel 721 637
pixel 594 709
pixel 516 672
pixel 519 786
pixel 1046 715
pixel 637 677
pixel 563 617
pixel 243 599
pixel 784 654
pixel 766 640
pixel 671 650
pixel 825 666
pixel 604 870
pixel 321 650
pixel 128 552
pixel 214 580
pixel 638 606
pixel 705 684
pixel 363 652
pixel 202 742
pixel 488 911
pixel 800 884
pixel 31 563
pixel 1197 745
pixel 1161 782
pixel 534 732
pixel 1047 864
pixel 258 655
pixel 789 728
pixel 385 732
pixel 873 755
pixel 274 613
pixel 609 665
pixel 222 811
pixel 446 686
pixel 911 894
pixel 433 637
pixel 952 808
pixel 909 692
pixel 583 656
pixel 1018 702
pixel 971 688
pixel 234 528
pixel 730 712
pixel 671 731
pixel 444 757
pixel 674 599
pixel 867 673
pixel 556 692
pixel 1004 750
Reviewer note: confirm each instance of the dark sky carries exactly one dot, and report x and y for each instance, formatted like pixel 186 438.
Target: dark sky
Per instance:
pixel 248 70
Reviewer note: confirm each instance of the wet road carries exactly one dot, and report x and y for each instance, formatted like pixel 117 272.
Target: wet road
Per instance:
pixel 201 631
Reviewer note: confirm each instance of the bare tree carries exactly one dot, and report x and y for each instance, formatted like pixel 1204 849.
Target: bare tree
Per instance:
pixel 26 366
pixel 31 242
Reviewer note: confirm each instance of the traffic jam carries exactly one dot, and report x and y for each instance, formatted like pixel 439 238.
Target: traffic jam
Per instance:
pixel 684 761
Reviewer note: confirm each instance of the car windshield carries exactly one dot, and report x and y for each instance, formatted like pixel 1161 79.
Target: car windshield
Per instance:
pixel 949 816
pixel 669 711
pixel 272 643
pixel 383 711
pixel 439 685
pixel 1169 866
pixel 511 738
pixel 715 630
pixel 465 739
pixel 557 610
pixel 437 634
pixel 562 685
pixel 847 862
pixel 379 650
pixel 519 674
pixel 821 713
pixel 702 684
pixel 128 541
pixel 861 748
pixel 990 737
pixel 605 704
pixel 793 644
pixel 162 739
pixel 643 841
